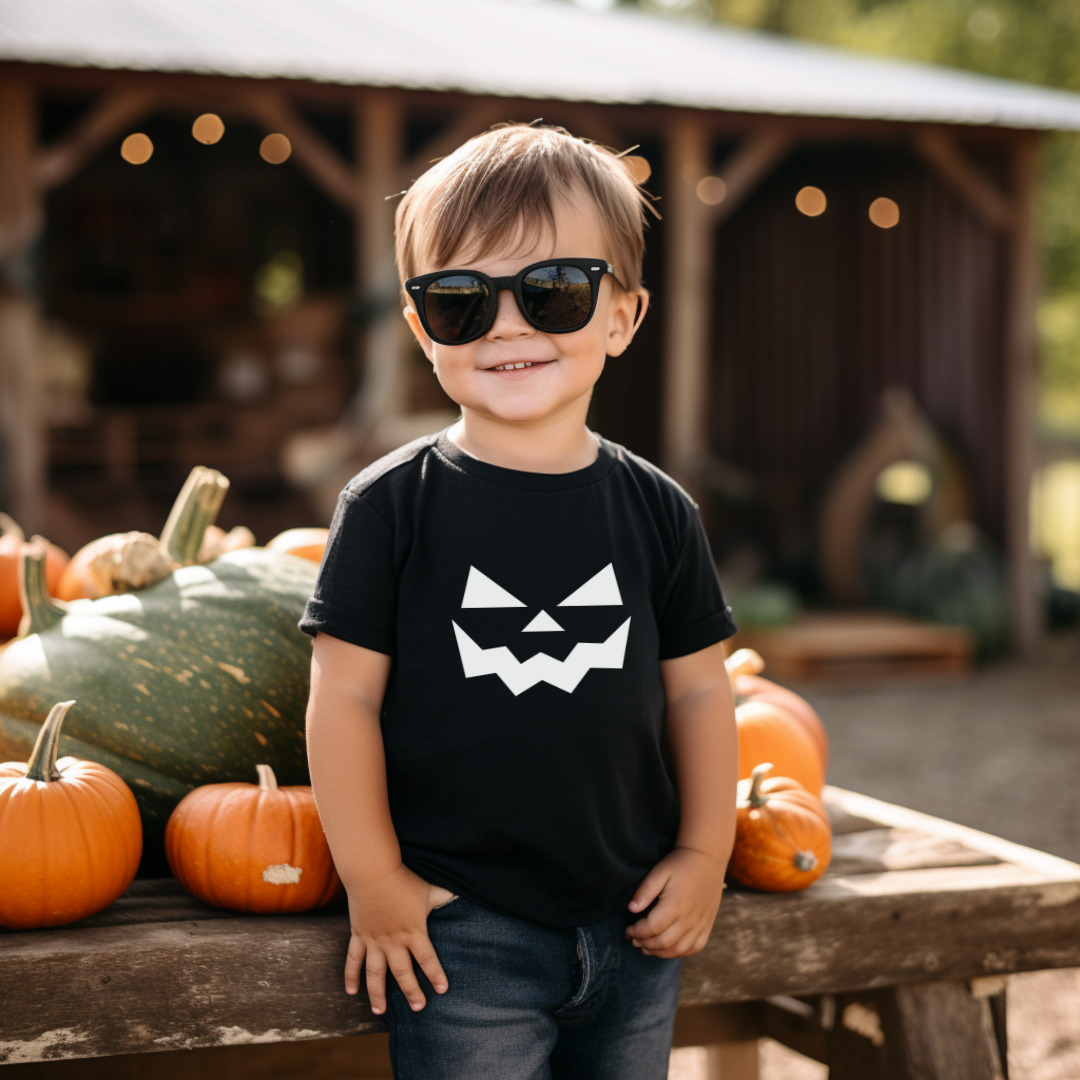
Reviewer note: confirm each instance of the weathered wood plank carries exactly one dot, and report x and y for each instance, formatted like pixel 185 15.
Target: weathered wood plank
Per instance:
pixel 843 821
pixel 366 1058
pixel 118 990
pixel 874 930
pixel 878 850
pixel 888 815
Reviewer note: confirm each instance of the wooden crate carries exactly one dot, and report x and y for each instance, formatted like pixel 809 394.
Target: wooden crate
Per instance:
pixel 860 645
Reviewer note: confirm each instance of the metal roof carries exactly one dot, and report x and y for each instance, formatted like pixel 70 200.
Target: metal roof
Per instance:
pixel 517 48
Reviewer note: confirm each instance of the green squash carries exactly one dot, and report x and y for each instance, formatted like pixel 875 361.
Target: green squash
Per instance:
pixel 194 680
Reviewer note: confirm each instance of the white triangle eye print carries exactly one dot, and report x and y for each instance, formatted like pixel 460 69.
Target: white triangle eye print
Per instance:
pixel 601 590
pixel 481 591
pixel 542 622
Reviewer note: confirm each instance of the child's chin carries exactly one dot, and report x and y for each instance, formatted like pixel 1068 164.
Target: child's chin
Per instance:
pixel 520 410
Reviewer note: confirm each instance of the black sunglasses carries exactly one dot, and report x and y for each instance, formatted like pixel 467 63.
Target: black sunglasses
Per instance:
pixel 557 296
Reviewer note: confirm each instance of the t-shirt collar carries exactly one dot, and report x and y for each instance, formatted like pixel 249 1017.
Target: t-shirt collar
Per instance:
pixel 528 481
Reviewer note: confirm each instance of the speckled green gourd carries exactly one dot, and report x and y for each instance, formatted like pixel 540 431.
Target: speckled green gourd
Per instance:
pixel 194 680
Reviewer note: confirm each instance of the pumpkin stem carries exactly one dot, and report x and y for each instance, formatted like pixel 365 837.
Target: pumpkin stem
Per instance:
pixel 267 779
pixel 40 610
pixel 9 527
pixel 744 662
pixel 42 764
pixel 195 508
pixel 755 798
pixel 805 861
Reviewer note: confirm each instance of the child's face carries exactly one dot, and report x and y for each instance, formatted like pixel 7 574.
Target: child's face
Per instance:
pixel 565 366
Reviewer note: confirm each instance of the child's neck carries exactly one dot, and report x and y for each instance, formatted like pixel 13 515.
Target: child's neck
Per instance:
pixel 553 445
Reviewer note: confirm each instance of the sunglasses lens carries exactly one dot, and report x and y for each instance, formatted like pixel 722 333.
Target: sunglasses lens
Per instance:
pixel 557 297
pixel 455 307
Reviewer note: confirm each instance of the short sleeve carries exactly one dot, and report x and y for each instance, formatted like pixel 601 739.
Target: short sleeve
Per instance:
pixel 692 613
pixel 355 595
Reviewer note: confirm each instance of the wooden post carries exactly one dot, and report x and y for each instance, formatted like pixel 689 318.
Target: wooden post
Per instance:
pixel 22 445
pixel 1020 387
pixel 686 299
pixel 380 122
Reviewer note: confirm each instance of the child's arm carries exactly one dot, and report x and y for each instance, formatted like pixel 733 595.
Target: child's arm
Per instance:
pixel 689 881
pixel 388 903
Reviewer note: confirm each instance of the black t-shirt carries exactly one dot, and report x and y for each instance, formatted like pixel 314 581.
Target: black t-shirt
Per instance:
pixel 523 721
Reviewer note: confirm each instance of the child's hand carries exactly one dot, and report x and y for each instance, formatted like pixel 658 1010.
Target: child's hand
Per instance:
pixel 389 927
pixel 689 884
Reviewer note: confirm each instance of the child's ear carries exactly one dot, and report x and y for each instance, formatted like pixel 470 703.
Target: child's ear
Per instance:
pixel 418 332
pixel 627 312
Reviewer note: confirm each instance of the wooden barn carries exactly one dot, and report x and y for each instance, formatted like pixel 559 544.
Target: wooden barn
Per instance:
pixel 196 238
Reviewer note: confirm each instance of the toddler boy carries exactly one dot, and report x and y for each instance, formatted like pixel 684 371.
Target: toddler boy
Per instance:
pixel 521 732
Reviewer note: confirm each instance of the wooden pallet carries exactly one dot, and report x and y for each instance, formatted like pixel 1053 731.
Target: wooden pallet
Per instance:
pixel 860 645
pixel 891 967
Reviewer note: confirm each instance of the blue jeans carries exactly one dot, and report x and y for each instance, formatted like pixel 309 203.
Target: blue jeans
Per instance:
pixel 532 1002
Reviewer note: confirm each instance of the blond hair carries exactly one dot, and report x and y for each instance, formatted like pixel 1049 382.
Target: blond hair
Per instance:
pixel 503 186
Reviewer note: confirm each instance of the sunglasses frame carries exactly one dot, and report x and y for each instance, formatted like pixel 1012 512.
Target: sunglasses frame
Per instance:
pixel 594 269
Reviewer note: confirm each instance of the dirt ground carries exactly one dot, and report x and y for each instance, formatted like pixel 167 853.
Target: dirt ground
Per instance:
pixel 1000 752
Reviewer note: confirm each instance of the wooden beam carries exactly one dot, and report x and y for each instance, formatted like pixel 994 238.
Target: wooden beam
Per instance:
pixel 20 204
pixel 594 122
pixel 687 288
pixel 751 162
pixel 471 122
pixel 689 226
pixel 941 151
pixel 113 114
pixel 380 136
pixel 312 152
pixel 22 444
pixel 1020 397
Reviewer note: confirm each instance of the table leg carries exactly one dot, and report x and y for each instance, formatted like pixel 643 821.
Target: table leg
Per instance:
pixel 945 1033
pixel 933 1031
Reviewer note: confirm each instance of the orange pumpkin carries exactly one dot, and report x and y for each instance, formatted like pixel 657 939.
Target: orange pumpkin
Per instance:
pixel 70 835
pixel 252 847
pixel 12 542
pixel 769 733
pixel 783 839
pixel 755 688
pixel 307 543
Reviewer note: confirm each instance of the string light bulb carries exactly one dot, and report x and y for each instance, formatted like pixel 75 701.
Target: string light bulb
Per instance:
pixel 137 149
pixel 711 190
pixel 811 201
pixel 884 213
pixel 275 149
pixel 208 129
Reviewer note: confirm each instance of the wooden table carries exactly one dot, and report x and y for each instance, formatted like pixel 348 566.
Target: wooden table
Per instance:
pixel 893 965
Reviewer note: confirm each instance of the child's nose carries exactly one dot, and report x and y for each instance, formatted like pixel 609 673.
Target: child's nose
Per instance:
pixel 509 322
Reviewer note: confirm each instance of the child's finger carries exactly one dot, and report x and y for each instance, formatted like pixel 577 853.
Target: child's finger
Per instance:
pixel 353 963
pixel 425 955
pixel 665 938
pixel 656 922
pixel 649 889
pixel 400 961
pixel 376 979
pixel 684 946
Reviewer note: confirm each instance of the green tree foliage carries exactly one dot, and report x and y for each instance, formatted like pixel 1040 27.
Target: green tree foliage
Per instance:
pixel 1035 41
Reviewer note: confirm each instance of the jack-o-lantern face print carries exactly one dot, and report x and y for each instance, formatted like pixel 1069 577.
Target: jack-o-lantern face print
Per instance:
pixel 601 590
